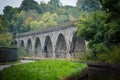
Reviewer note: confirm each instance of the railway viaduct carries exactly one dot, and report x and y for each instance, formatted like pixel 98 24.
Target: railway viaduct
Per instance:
pixel 57 42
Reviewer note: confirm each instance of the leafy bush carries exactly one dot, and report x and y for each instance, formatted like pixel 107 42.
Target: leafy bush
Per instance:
pixel 101 30
pixel 84 56
pixel 110 55
pixel 5 39
pixel 24 53
pixel 102 53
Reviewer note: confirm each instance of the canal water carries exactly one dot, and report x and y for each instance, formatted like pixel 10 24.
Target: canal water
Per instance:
pixel 102 75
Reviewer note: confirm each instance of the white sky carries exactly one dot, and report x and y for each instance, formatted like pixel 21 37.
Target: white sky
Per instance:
pixel 16 3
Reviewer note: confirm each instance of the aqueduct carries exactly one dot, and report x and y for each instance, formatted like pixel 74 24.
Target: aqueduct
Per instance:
pixel 57 42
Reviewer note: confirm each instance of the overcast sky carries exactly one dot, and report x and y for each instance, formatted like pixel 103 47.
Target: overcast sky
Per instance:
pixel 16 3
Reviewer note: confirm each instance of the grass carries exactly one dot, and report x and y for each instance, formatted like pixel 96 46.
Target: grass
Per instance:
pixel 43 70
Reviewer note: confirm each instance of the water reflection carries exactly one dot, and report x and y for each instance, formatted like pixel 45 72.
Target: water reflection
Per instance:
pixel 102 75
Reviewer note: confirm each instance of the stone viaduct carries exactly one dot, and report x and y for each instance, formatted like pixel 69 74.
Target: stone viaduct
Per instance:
pixel 57 42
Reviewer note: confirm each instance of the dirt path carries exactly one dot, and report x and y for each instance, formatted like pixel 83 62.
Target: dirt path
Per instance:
pixel 2 66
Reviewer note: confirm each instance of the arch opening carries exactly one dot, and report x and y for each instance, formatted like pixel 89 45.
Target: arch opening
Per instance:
pixel 61 48
pixel 37 47
pixel 77 46
pixel 48 49
pixel 14 43
pixel 22 44
pixel 29 46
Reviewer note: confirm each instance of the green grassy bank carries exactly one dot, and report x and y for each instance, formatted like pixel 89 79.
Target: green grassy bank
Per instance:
pixel 43 70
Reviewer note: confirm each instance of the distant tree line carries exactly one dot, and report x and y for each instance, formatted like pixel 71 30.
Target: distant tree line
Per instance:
pixel 33 16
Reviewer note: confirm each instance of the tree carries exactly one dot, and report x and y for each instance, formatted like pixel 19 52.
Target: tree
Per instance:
pixel 29 5
pixel 55 3
pixel 30 13
pixel 44 21
pixel 16 22
pixel 113 20
pixel 5 37
pixel 111 5
pixel 88 5
pixel 4 24
pixel 9 12
pixel 43 7
pixel 20 21
pixel 73 11
pixel 101 29
pixel 91 27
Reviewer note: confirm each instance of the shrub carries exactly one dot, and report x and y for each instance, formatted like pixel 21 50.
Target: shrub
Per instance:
pixel 110 55
pixel 5 39
pixel 22 52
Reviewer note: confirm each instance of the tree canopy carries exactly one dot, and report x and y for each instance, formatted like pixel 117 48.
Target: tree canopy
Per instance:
pixel 101 29
pixel 32 16
pixel 55 3
pixel 29 5
pixel 88 5
pixel 5 37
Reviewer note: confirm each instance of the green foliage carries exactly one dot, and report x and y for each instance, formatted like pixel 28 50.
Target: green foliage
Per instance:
pixel 113 20
pixel 110 56
pixel 43 70
pixel 29 5
pixel 5 39
pixel 9 12
pixel 111 5
pixel 26 16
pixel 91 27
pixel 55 3
pixel 33 16
pixel 46 20
pixel 88 5
pixel 101 29
pixel 74 11
pixel 43 7
pixel 23 53
pixel 20 21
pixel 84 56
pixel 4 24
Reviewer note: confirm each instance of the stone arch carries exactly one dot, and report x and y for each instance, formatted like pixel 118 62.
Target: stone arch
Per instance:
pixel 15 42
pixel 77 45
pixel 22 44
pixel 37 47
pixel 61 47
pixel 48 48
pixel 29 45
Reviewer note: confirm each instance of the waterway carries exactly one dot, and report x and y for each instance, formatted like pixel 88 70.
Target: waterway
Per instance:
pixel 102 75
